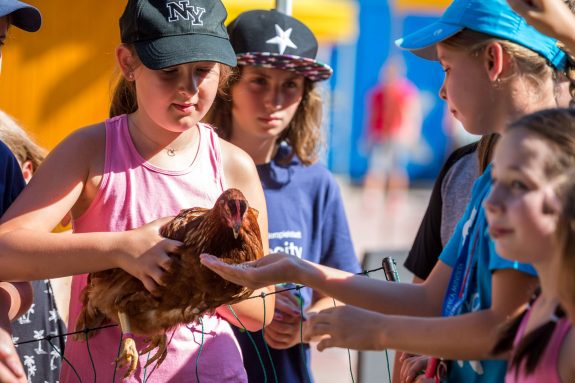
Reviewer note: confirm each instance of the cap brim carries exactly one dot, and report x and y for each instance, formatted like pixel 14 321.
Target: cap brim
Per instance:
pixel 422 42
pixel 175 50
pixel 22 15
pixel 307 67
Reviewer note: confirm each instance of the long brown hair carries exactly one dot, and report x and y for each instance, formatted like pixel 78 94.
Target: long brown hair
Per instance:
pixel 528 64
pixel 557 128
pixel 303 133
pixel 124 99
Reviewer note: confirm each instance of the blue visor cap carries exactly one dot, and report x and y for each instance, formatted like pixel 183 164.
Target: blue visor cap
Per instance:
pixel 22 15
pixel 492 17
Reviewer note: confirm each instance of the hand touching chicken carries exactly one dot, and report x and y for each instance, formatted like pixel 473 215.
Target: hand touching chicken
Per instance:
pixel 229 230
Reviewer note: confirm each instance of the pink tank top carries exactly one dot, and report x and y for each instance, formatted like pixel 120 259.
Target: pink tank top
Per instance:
pixel 134 192
pixel 547 369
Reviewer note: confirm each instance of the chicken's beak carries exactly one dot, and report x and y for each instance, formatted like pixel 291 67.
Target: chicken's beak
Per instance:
pixel 236 229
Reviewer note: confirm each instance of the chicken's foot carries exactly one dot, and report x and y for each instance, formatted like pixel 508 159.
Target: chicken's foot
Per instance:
pixel 159 341
pixel 128 352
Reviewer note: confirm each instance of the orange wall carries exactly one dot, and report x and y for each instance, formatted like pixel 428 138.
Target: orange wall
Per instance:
pixel 434 6
pixel 61 77
pixel 58 79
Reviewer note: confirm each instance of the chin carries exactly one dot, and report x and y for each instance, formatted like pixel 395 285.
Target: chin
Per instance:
pixel 506 252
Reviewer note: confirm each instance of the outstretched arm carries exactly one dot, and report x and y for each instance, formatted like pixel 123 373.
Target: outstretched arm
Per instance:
pixel 440 336
pixel 371 294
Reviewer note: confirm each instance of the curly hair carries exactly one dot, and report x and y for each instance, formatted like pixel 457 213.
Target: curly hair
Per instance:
pixel 303 133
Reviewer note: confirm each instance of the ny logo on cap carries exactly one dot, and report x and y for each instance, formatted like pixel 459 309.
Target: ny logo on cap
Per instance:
pixel 182 10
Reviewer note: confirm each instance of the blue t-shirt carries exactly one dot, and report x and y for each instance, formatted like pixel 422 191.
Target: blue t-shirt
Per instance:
pixel 11 180
pixel 41 362
pixel 306 219
pixel 471 254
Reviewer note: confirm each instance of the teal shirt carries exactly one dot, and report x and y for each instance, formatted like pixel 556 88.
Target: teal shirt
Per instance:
pixel 471 254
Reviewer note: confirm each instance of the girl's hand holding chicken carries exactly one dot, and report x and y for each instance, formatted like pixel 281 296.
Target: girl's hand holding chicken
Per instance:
pixel 147 253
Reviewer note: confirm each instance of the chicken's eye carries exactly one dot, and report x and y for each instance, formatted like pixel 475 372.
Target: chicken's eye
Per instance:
pixel 237 207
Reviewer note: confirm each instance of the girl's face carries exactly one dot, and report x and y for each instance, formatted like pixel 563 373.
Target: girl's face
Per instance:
pixel 264 102
pixel 467 89
pixel 176 98
pixel 521 222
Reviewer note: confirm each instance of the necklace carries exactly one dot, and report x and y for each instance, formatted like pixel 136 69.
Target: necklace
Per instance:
pixel 171 152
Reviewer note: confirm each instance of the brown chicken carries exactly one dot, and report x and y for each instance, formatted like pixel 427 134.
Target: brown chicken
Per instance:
pixel 229 230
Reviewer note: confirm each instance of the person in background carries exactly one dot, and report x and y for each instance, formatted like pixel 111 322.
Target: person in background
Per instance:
pixel 272 109
pixel 393 130
pixel 51 297
pixel 15 298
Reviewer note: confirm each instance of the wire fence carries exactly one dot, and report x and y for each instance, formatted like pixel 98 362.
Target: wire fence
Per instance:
pixel 388 267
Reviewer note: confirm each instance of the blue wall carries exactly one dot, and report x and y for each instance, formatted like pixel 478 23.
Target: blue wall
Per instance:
pixel 357 68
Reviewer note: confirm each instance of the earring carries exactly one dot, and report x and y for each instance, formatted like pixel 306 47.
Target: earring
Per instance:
pixel 496 83
pixel 131 76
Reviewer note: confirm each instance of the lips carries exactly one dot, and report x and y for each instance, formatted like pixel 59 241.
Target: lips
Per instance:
pixel 270 120
pixel 186 108
pixel 499 232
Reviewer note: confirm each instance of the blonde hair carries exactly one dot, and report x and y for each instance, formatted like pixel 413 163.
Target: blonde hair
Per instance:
pixel 303 134
pixel 124 100
pixel 19 142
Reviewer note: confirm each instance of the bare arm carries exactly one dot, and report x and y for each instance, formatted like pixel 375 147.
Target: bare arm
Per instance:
pixel 67 181
pixel 240 172
pixel 429 336
pixel 371 294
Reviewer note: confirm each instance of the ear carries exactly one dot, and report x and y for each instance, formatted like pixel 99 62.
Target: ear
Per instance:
pixel 496 60
pixel 127 61
pixel 27 170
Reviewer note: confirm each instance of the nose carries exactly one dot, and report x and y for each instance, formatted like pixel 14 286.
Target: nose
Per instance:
pixel 189 85
pixel 443 92
pixel 274 99
pixel 494 201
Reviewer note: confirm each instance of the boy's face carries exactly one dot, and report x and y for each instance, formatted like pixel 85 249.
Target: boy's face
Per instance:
pixel 3 31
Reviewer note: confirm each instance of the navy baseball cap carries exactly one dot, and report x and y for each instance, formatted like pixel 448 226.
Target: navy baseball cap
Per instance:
pixel 22 15
pixel 272 39
pixel 492 17
pixel 166 33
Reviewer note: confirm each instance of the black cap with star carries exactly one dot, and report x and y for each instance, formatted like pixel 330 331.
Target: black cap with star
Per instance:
pixel 272 39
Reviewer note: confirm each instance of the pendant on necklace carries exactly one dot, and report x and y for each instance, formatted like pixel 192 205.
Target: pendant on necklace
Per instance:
pixel 171 152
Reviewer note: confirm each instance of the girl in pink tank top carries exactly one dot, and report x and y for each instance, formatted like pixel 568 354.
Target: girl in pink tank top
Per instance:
pixel 124 178
pixel 523 211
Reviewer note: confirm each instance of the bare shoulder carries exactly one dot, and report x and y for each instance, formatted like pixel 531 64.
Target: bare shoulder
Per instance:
pixel 64 182
pixel 237 164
